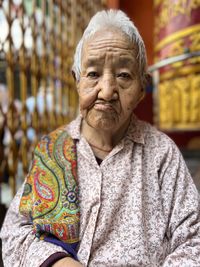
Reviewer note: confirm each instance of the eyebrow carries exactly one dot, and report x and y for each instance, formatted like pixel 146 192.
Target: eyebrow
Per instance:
pixel 124 61
pixel 93 61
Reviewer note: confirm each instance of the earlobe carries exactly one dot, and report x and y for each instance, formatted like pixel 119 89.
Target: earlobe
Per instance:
pixel 142 94
pixel 77 87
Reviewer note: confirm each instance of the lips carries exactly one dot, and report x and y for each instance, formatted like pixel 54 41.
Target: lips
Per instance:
pixel 103 106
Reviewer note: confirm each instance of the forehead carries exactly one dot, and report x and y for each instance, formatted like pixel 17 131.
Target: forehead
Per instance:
pixel 108 42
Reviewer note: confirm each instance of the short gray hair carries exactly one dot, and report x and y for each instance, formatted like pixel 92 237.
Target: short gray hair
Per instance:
pixel 117 19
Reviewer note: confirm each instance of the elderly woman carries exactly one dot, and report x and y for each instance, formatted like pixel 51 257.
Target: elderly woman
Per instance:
pixel 137 204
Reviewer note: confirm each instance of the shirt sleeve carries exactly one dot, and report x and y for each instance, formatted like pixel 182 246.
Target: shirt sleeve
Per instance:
pixel 182 212
pixel 20 247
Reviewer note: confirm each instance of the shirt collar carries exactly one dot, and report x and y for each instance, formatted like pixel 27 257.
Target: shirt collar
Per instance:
pixel 135 130
pixel 74 128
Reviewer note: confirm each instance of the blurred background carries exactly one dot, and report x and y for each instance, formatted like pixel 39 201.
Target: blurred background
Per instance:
pixel 37 92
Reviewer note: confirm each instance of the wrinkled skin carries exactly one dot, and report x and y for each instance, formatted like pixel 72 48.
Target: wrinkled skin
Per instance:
pixel 109 87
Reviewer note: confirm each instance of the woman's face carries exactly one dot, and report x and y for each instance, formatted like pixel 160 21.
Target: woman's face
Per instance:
pixel 109 87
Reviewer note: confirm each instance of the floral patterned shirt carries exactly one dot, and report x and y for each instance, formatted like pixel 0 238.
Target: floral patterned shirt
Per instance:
pixel 139 207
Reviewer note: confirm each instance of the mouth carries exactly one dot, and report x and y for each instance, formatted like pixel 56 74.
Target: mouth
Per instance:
pixel 103 106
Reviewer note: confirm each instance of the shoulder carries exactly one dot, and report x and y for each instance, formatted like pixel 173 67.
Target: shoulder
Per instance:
pixel 53 136
pixel 157 143
pixel 152 136
pixel 60 140
pixel 69 131
pixel 54 141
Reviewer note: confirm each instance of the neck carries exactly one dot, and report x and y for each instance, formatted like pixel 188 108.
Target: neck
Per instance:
pixel 94 147
pixel 103 140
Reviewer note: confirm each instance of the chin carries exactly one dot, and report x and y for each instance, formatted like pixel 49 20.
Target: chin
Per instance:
pixel 102 122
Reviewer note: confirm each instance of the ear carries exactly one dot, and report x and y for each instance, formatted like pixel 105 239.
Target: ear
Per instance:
pixel 149 78
pixel 141 95
pixel 74 75
pixel 148 81
pixel 76 81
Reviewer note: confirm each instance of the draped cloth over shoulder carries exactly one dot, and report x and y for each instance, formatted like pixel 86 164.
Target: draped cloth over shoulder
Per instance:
pixel 50 196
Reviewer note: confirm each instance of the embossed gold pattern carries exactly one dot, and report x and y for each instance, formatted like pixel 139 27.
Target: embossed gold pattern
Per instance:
pixel 179 103
pixel 171 9
pixel 177 31
pixel 192 30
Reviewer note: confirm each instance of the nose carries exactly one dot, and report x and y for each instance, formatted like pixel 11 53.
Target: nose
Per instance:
pixel 108 88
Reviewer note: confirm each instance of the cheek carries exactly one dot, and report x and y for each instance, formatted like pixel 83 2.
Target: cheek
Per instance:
pixel 130 101
pixel 87 96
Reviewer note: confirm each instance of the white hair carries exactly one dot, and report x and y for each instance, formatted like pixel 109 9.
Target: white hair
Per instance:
pixel 117 19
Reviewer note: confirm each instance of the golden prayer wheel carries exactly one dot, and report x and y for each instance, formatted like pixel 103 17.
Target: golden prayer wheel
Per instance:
pixel 177 64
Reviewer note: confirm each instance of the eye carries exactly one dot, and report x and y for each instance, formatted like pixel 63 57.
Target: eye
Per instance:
pixel 124 75
pixel 93 74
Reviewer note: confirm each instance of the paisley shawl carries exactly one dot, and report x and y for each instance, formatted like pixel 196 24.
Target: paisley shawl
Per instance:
pixel 50 196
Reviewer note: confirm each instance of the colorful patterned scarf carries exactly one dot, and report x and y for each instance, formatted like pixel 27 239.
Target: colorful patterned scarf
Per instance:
pixel 50 197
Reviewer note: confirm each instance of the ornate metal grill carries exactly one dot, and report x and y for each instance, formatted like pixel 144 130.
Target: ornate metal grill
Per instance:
pixel 37 40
